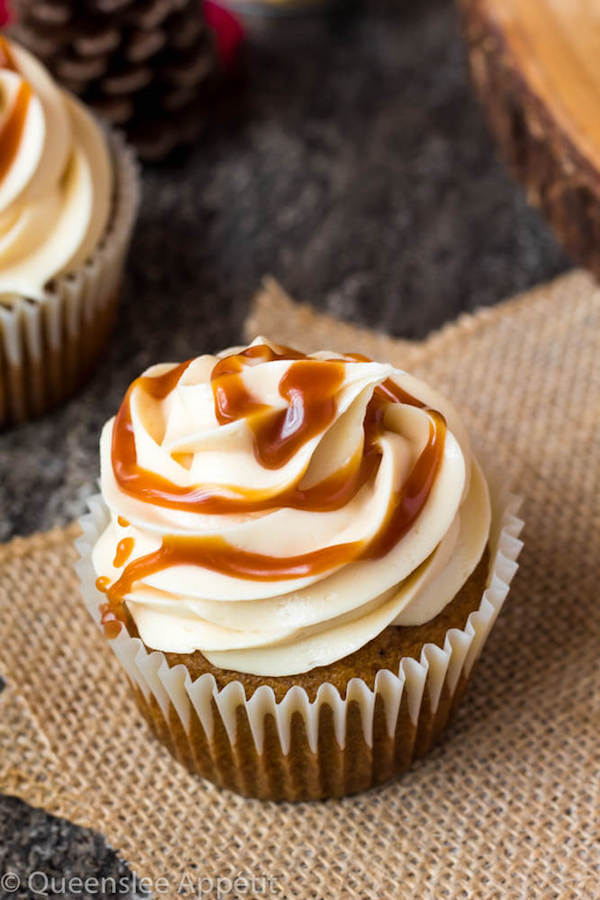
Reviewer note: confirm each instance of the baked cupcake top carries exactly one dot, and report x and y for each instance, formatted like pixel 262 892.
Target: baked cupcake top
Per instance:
pixel 277 511
pixel 55 177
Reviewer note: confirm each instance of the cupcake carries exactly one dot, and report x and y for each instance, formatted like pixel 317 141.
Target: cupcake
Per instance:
pixel 68 198
pixel 297 560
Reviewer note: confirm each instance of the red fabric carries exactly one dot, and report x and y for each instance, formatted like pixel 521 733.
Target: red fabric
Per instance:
pixel 5 15
pixel 228 31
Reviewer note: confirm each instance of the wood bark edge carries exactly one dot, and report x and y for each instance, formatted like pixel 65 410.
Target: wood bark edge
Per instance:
pixel 558 179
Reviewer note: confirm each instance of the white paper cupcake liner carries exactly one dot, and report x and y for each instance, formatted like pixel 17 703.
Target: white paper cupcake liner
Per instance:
pixel 48 347
pixel 296 748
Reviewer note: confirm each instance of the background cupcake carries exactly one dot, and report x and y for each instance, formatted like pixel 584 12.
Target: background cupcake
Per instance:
pixel 68 198
pixel 312 548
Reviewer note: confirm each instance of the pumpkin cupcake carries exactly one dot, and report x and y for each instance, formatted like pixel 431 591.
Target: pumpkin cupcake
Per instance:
pixel 297 560
pixel 68 198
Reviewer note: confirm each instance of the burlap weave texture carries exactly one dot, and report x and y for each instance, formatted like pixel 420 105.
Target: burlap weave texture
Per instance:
pixel 508 805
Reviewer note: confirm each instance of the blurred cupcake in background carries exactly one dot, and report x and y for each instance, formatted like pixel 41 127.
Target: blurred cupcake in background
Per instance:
pixel 68 198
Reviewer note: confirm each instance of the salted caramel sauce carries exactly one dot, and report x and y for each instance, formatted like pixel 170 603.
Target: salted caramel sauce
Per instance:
pixel 112 613
pixel 12 129
pixel 411 497
pixel 7 60
pixel 393 393
pixel 132 479
pixel 389 389
pixel 111 619
pixel 216 554
pixel 124 551
pixel 315 409
pixel 309 386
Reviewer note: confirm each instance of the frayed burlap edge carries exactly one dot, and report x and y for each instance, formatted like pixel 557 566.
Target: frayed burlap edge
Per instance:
pixel 507 806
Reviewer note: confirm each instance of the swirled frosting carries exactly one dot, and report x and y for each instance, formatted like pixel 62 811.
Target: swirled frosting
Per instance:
pixel 55 177
pixel 277 511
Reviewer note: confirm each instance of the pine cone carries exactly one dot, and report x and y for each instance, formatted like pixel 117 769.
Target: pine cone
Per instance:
pixel 144 65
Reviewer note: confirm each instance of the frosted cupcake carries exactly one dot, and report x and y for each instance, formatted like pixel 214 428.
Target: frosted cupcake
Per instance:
pixel 311 547
pixel 68 198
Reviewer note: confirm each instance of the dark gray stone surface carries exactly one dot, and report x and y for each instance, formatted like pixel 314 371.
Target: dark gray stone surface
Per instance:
pixel 354 165
pixel 47 854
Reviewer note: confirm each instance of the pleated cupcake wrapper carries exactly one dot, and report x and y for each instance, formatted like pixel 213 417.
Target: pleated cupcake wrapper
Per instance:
pixel 48 346
pixel 294 748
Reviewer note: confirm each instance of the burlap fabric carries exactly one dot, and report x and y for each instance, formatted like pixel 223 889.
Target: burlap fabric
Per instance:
pixel 508 805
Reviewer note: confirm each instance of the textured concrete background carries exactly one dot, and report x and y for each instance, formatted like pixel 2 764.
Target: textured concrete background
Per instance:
pixel 354 165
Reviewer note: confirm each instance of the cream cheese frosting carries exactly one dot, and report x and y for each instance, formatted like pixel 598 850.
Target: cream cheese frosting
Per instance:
pixel 56 177
pixel 277 511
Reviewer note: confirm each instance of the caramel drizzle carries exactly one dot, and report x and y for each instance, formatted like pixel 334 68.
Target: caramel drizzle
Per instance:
pixel 112 613
pixel 310 387
pixel 12 130
pixel 307 386
pixel 7 60
pixel 124 551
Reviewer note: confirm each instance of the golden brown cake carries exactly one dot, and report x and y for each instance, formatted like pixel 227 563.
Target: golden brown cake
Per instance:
pixel 385 651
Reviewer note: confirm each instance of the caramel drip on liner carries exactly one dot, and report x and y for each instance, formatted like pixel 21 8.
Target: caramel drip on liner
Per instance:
pixel 112 613
pixel 12 130
pixel 309 386
pixel 7 60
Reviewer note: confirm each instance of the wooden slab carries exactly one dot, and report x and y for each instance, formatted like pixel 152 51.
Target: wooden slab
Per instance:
pixel 536 66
